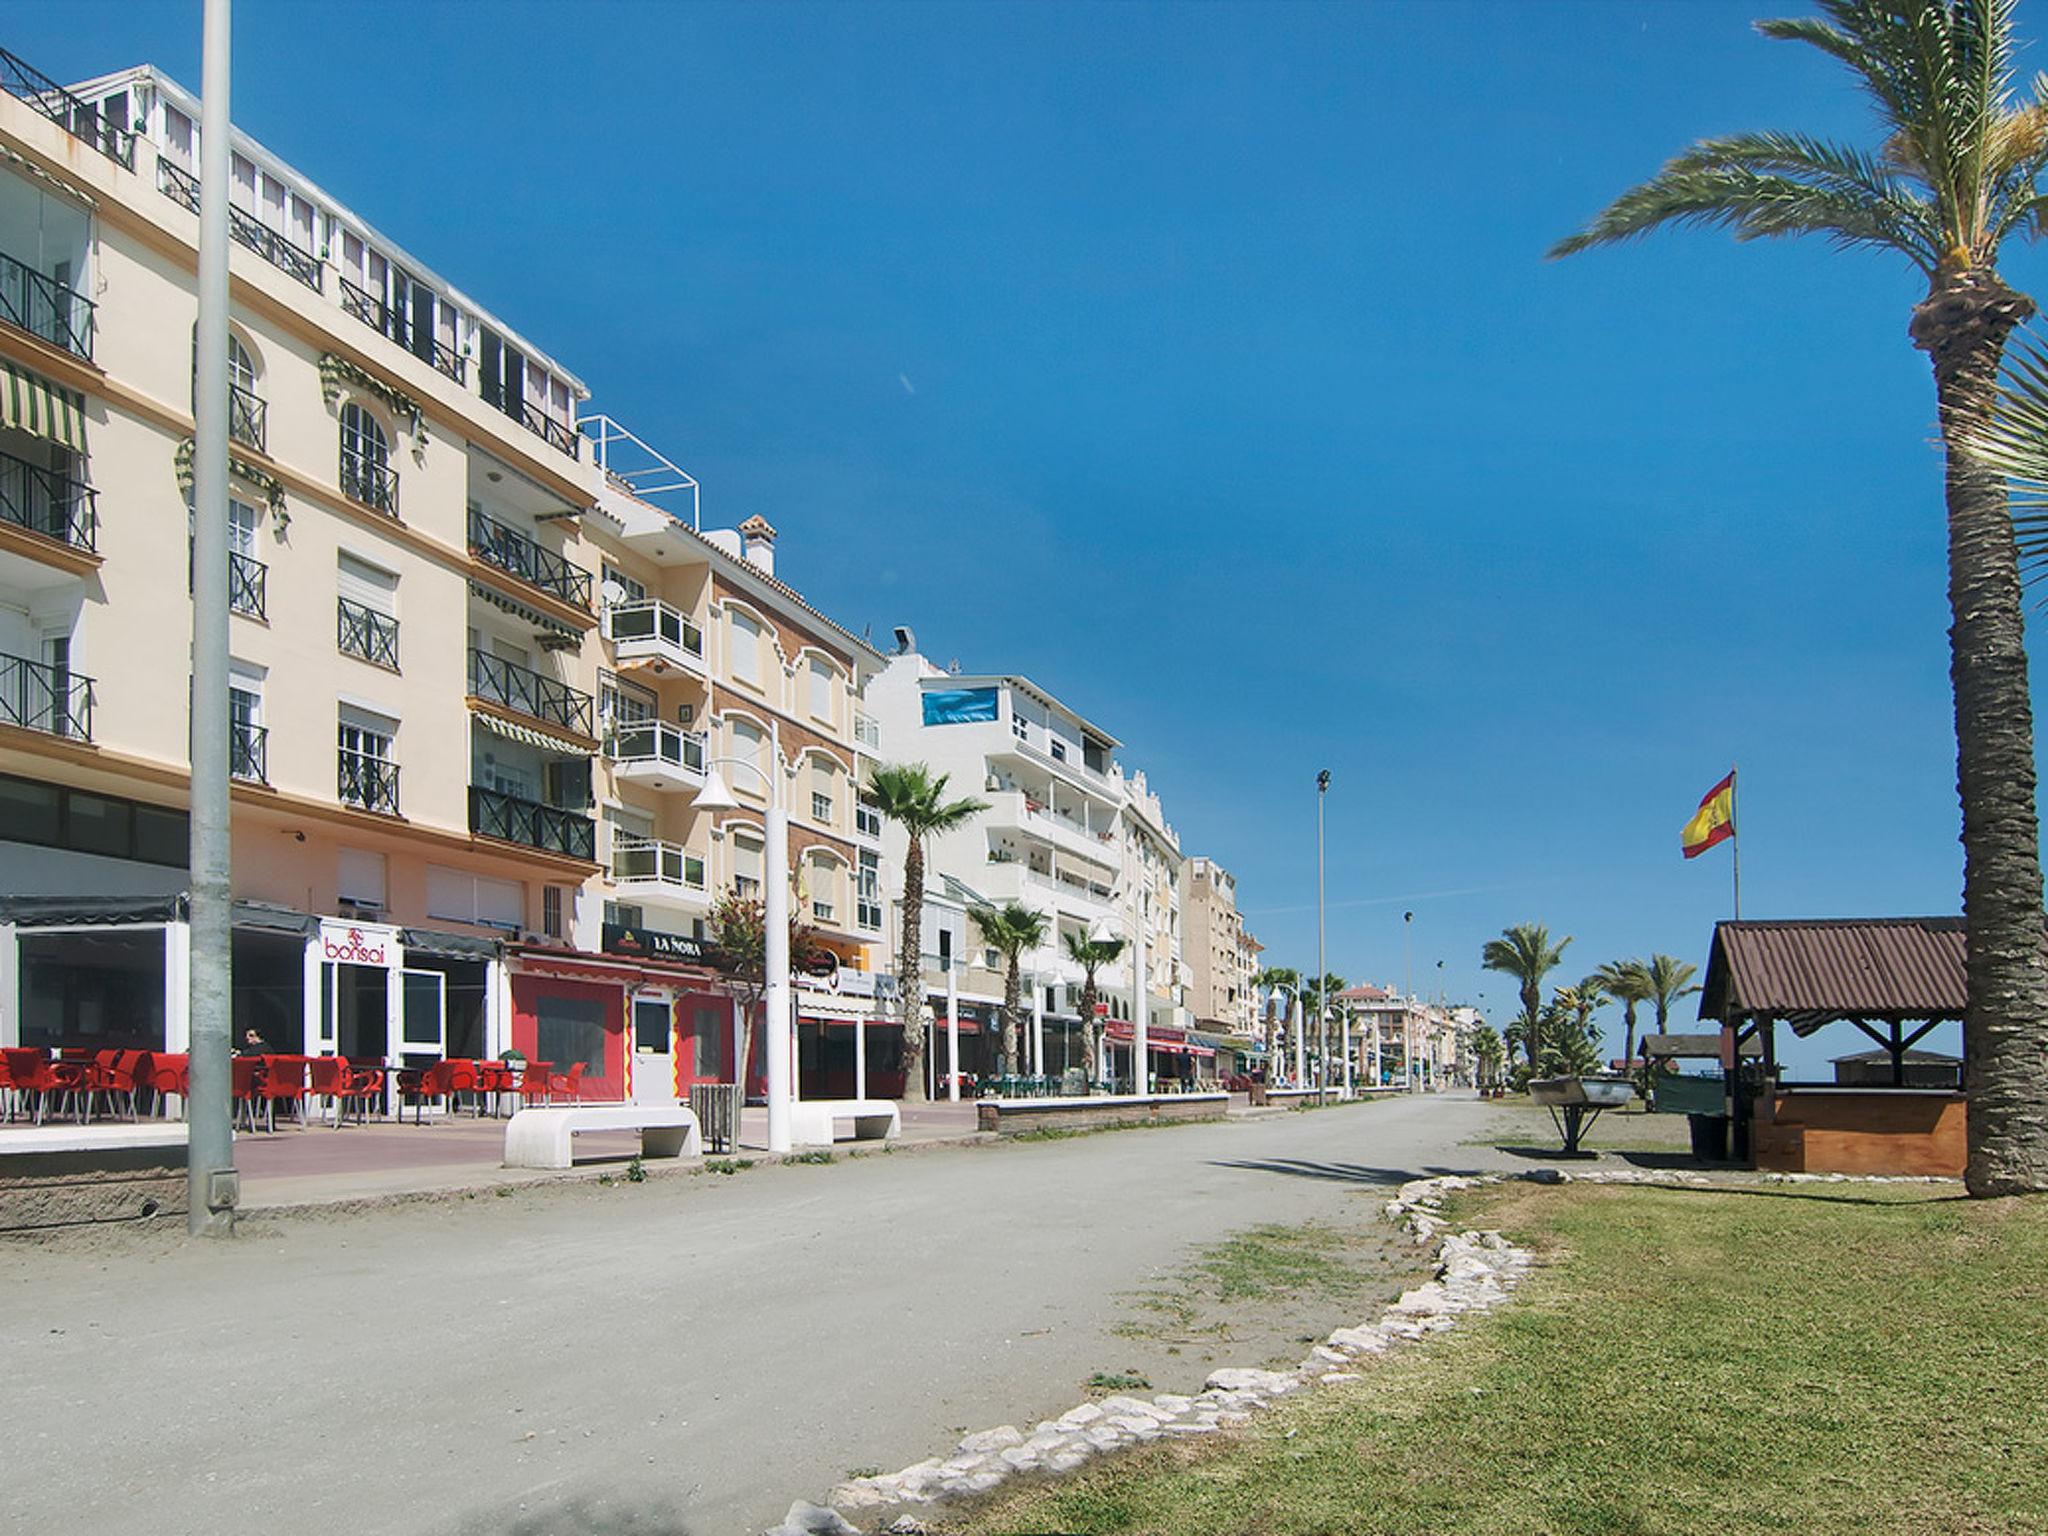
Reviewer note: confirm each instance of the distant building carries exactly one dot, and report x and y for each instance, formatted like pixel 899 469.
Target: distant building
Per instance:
pixel 1222 956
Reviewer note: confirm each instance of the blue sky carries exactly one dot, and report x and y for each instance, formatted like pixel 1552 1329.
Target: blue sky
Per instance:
pixel 1203 363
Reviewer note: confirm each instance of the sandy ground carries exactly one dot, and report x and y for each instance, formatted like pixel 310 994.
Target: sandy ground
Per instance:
pixel 682 1355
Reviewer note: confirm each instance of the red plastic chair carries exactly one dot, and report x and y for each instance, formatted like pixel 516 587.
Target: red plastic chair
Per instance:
pixel 284 1080
pixel 494 1082
pixel 246 1085
pixel 30 1072
pixel 567 1083
pixel 112 1074
pixel 168 1074
pixel 443 1080
pixel 538 1081
pixel 327 1077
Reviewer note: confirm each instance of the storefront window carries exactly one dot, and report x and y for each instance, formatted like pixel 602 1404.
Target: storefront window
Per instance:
pixel 99 990
pixel 569 1030
pixel 711 1029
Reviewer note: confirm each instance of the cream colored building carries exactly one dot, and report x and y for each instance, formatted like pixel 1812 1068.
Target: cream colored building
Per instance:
pixel 1222 954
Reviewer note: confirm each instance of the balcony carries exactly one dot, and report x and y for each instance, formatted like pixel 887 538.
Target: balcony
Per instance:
pixel 248 417
pixel 247 578
pixel 532 824
pixel 45 308
pixel 366 782
pixel 1013 808
pixel 386 321
pixel 657 753
pixel 513 687
pixel 39 697
pixel 373 484
pixel 45 502
pixel 249 753
pixel 366 633
pixel 537 421
pixel 289 257
pixel 80 119
pixel 650 630
pixel 646 867
pixel 512 552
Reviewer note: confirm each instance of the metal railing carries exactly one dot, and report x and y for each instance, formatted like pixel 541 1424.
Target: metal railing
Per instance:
pixel 248 417
pixel 649 858
pixel 386 321
pixel 40 697
pixel 370 783
pixel 532 824
pixel 46 308
pixel 559 434
pixel 364 632
pixel 649 618
pixel 371 483
pixel 45 502
pixel 249 751
pixel 281 251
pixel 497 681
pixel 647 741
pixel 80 119
pixel 504 546
pixel 247 579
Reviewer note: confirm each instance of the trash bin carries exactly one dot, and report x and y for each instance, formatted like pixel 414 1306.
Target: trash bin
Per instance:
pixel 1709 1137
pixel 1258 1090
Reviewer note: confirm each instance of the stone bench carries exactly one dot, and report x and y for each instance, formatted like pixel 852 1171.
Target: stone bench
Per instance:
pixel 539 1138
pixel 815 1122
pixel 64 1175
pixel 1007 1117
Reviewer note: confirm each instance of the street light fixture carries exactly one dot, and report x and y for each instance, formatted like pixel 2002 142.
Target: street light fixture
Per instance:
pixel 716 795
pixel 1322 959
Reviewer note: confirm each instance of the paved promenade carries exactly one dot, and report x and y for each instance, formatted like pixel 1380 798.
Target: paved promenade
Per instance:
pixel 683 1355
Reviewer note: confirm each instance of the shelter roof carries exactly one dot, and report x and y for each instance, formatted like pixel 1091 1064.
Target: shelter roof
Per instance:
pixel 1677 1047
pixel 1815 971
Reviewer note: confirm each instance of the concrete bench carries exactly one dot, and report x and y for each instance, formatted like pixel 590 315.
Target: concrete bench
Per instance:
pixel 1011 1117
pixel 814 1122
pixel 61 1175
pixel 539 1138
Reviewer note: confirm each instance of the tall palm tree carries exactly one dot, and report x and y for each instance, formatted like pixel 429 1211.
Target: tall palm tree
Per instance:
pixel 1628 983
pixel 1091 955
pixel 1526 953
pixel 1010 930
pixel 1668 979
pixel 1956 173
pixel 912 797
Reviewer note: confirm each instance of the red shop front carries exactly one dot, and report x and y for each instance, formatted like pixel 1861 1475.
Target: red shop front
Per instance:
pixel 644 1030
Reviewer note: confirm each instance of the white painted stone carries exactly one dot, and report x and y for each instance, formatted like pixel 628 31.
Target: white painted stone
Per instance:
pixel 999 1438
pixel 1074 1418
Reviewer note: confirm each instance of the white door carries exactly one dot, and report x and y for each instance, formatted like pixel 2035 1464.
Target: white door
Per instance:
pixel 654 1062
pixel 422 1017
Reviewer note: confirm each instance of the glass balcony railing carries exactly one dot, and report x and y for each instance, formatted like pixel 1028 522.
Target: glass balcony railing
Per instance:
pixel 38 696
pixel 650 624
pixel 531 824
pixel 45 502
pixel 511 551
pixel 655 741
pixel 45 308
pixel 647 858
pixel 497 681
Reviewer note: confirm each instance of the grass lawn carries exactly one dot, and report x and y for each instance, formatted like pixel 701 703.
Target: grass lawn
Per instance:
pixel 1809 1359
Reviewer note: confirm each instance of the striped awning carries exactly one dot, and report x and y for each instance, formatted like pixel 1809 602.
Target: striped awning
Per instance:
pixel 511 730
pixel 31 403
pixel 550 628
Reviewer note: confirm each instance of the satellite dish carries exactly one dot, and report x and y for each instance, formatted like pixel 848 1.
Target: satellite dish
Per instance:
pixel 613 594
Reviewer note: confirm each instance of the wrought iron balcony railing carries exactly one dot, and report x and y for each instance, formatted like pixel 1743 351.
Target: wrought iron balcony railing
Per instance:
pixel 532 824
pixel 367 782
pixel 387 321
pixel 247 579
pixel 281 251
pixel 365 632
pixel 497 681
pixel 537 421
pixel 40 697
pixel 371 483
pixel 45 502
pixel 249 751
pixel 46 308
pixel 511 551
pixel 80 119
pixel 248 417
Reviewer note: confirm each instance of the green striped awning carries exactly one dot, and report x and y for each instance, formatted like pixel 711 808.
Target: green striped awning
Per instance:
pixel 31 403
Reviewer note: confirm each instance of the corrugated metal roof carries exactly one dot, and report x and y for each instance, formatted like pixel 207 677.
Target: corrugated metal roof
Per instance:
pixel 1836 968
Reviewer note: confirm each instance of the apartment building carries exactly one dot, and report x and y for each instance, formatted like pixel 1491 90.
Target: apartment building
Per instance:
pixel 1222 954
pixel 472 687
pixel 1067 833
pixel 1396 1038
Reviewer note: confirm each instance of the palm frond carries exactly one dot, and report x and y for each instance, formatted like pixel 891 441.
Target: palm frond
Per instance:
pixel 2013 442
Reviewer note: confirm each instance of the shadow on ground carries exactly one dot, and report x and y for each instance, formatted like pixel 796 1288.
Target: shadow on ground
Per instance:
pixel 1342 1173
pixel 579 1517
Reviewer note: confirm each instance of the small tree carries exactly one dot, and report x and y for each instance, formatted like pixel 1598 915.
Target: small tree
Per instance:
pixel 1526 953
pixel 1668 979
pixel 1487 1055
pixel 1091 955
pixel 1010 929
pixel 1628 983
pixel 738 946
pixel 1571 1039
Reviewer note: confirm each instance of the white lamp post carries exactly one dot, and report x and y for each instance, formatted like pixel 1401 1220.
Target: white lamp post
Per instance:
pixel 775 1025
pixel 1294 996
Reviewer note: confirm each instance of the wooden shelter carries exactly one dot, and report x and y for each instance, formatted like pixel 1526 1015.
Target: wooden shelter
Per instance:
pixel 1894 979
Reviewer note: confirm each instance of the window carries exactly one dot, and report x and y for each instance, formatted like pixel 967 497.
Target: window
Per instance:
pixel 822 691
pixel 868 890
pixel 366 474
pixel 821 880
pixel 366 776
pixel 246 737
pixel 359 878
pixel 746 650
pixel 651 1022
pixel 867 817
pixel 746 868
pixel 465 898
pixel 178 135
pixel 711 1043
pixel 1019 726
pixel 568 1030
pixel 821 793
pixel 366 623
pixel 630 591
pixel 623 703
pixel 1059 749
pixel 749 742
pixel 551 911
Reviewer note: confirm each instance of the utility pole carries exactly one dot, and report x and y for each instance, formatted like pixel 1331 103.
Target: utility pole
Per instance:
pixel 1408 998
pixel 211 1185
pixel 1322 958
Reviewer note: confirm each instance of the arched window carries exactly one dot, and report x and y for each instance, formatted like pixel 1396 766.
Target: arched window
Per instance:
pixel 366 473
pixel 245 405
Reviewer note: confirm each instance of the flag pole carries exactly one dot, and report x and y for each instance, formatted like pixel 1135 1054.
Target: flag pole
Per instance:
pixel 1735 842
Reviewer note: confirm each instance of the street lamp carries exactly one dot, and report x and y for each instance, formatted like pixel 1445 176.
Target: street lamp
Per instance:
pixel 1300 1056
pixel 1322 959
pixel 775 1023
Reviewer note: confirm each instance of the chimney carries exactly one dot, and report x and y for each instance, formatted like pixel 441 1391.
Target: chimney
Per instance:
pixel 757 544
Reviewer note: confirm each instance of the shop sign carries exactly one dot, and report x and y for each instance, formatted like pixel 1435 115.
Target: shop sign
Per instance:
pixel 358 943
pixel 653 944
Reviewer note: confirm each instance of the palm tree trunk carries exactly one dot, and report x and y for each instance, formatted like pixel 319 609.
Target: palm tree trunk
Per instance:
pixel 1962 325
pixel 1532 1028
pixel 1628 1019
pixel 1091 1031
pixel 1013 990
pixel 910 973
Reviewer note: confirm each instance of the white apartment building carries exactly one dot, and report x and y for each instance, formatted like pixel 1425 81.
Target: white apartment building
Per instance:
pixel 1067 832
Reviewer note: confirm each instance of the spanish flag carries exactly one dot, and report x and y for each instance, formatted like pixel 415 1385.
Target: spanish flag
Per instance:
pixel 1713 822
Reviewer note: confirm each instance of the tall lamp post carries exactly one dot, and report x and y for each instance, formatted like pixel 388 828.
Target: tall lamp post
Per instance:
pixel 1408 998
pixel 775 1024
pixel 1322 959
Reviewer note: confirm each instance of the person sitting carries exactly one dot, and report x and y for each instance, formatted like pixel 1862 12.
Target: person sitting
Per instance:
pixel 253 1044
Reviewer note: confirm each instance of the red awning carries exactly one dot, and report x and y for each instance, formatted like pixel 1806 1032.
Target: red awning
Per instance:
pixel 575 965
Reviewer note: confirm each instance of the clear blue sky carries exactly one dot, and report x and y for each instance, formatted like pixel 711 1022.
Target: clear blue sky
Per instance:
pixel 1202 362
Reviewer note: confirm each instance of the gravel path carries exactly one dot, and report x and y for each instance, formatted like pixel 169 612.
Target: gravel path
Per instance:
pixel 684 1355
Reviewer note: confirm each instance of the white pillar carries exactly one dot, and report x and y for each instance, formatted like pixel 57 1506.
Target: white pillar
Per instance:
pixel 177 988
pixel 860 1055
pixel 10 986
pixel 952 1030
pixel 781 1041
pixel 1300 1046
pixel 1141 992
pixel 1037 1026
pixel 313 999
pixel 1344 1035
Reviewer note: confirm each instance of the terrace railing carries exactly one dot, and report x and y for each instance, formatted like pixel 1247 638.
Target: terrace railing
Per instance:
pixel 558 434
pixel 80 119
pixel 638 741
pixel 387 321
pixel 511 551
pixel 39 697
pixel 282 252
pixel 249 752
pixel 371 483
pixel 247 579
pixel 45 308
pixel 497 681
pixel 45 502
pixel 364 632
pixel 532 824
pixel 370 783
pixel 248 417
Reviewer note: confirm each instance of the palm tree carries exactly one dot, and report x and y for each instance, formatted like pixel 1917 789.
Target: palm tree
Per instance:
pixel 1486 1055
pixel 909 795
pixel 1628 983
pixel 1957 173
pixel 1091 955
pixel 1526 953
pixel 1668 980
pixel 1010 929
